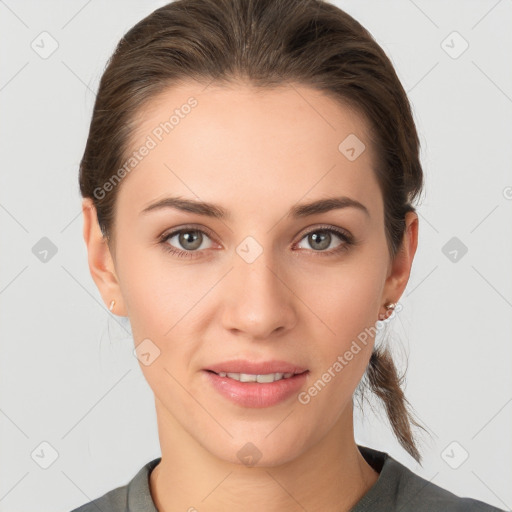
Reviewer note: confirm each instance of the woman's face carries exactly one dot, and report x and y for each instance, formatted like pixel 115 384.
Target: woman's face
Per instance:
pixel 268 281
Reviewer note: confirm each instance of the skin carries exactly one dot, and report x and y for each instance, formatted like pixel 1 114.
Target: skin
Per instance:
pixel 256 154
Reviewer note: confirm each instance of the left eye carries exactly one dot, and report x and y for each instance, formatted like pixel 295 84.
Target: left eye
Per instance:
pixel 320 239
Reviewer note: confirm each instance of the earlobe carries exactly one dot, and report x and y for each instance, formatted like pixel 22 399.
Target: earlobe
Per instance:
pixel 101 264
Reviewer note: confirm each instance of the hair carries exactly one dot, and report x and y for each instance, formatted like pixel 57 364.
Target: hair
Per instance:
pixel 264 43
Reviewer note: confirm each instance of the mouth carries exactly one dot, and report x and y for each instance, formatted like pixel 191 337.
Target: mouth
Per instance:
pixel 256 385
pixel 264 378
pixel 253 368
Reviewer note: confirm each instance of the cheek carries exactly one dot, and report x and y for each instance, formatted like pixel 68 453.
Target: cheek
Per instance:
pixel 164 306
pixel 342 351
pixel 160 296
pixel 345 301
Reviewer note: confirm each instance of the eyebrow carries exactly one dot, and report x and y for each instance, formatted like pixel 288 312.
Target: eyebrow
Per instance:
pixel 218 212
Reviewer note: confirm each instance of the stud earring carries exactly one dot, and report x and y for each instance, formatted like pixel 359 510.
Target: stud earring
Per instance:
pixel 111 307
pixel 390 306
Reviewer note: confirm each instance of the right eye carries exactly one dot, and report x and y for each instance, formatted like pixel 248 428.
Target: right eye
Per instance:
pixel 190 239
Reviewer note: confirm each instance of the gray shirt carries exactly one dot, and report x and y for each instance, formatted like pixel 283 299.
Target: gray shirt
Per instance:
pixel 396 489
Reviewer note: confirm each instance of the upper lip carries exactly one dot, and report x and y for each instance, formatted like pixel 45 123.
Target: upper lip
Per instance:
pixel 255 368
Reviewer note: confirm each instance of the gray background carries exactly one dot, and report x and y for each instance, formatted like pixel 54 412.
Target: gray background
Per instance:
pixel 68 375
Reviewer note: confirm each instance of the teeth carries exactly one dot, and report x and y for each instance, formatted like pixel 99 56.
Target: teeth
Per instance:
pixel 247 377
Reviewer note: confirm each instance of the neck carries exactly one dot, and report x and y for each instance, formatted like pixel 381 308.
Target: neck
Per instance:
pixel 330 476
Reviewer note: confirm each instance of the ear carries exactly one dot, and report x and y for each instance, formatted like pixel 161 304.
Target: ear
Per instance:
pixel 400 267
pixel 101 263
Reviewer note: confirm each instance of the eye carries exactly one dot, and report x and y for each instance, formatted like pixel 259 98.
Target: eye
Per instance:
pixel 190 241
pixel 321 239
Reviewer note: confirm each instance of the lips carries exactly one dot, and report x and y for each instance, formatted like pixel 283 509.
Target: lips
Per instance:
pixel 255 394
pixel 255 368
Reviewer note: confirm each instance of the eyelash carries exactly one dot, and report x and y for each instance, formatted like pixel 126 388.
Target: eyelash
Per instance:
pixel 345 237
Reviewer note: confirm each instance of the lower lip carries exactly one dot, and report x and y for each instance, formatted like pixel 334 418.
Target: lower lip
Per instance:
pixel 255 394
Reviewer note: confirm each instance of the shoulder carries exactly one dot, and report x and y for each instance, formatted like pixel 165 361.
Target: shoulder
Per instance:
pixel 133 496
pixel 115 500
pixel 399 488
pixel 418 494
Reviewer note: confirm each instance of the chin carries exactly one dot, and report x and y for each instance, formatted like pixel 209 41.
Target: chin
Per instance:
pixel 261 449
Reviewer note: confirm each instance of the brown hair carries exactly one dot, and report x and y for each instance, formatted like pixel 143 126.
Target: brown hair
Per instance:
pixel 266 43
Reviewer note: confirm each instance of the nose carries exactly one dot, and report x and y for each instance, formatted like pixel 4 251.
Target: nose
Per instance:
pixel 259 301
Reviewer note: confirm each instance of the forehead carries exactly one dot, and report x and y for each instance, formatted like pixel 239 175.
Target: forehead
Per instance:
pixel 219 143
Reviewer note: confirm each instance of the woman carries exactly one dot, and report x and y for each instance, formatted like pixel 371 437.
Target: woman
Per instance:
pixel 249 183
